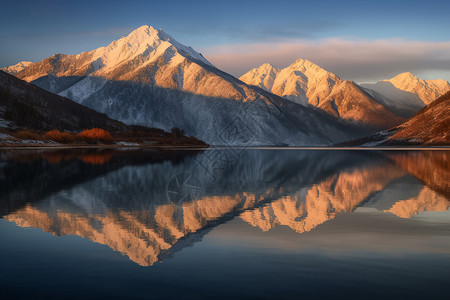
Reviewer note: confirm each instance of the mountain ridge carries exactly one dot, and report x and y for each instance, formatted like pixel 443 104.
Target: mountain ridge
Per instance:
pixel 147 78
pixel 308 84
pixel 406 94
pixel 428 127
pixel 26 105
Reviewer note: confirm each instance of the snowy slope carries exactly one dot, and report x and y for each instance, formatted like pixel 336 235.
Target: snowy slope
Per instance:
pixel 403 103
pixel 306 83
pixel 150 79
pixel 263 77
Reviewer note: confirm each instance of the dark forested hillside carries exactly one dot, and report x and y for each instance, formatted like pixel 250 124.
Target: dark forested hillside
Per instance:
pixel 25 105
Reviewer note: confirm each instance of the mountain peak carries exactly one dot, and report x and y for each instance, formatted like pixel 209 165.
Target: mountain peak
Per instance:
pixel 124 58
pixel 146 32
pixel 405 76
pixel 262 76
pixel 267 66
pixel 426 90
pixel 313 71
pixel 13 70
pixel 305 63
pixel 147 36
pixel 142 36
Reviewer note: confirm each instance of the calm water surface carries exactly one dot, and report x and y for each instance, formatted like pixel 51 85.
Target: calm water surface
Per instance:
pixel 224 224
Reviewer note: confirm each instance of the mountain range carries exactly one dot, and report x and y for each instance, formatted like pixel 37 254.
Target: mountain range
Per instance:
pixel 148 78
pixel 381 105
pixel 305 83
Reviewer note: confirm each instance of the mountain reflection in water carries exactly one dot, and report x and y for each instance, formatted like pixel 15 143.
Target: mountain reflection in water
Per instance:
pixel 149 204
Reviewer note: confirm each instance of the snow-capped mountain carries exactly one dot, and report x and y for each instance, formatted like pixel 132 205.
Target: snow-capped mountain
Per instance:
pixel 263 77
pixel 427 90
pixel 306 83
pixel 148 78
pixel 17 67
pixel 405 93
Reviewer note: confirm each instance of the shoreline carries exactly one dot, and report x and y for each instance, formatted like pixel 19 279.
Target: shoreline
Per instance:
pixel 169 147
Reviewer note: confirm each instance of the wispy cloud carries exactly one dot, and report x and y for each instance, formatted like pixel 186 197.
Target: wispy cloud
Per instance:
pixel 359 60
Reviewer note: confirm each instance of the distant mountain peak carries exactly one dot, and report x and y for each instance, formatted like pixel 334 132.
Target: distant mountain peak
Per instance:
pixel 426 90
pixel 304 62
pixel 13 70
pixel 267 66
pixel 405 75
pixel 262 76
pixel 404 78
pixel 312 70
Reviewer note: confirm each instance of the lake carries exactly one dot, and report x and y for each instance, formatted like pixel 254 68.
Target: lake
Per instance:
pixel 224 224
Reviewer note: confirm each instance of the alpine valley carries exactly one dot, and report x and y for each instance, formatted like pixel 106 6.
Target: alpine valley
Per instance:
pixel 148 78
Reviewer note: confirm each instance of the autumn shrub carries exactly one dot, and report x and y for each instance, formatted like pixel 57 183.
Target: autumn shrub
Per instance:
pixel 60 137
pixel 28 135
pixel 96 134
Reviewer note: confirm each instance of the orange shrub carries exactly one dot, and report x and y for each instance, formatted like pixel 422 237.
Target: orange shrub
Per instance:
pixel 96 134
pixel 28 135
pixel 58 136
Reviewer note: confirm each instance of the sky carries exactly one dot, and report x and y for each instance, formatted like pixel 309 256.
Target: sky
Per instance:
pixel 358 40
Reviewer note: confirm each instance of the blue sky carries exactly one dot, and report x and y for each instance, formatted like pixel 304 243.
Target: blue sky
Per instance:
pixel 33 30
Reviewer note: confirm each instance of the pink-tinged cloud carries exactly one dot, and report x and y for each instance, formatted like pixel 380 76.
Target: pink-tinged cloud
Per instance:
pixel 359 60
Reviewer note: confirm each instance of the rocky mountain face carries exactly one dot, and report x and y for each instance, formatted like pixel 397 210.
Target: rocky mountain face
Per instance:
pixel 428 127
pixel 24 105
pixel 405 93
pixel 306 83
pixel 150 79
